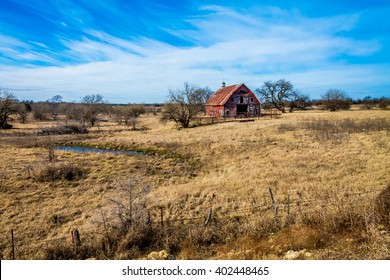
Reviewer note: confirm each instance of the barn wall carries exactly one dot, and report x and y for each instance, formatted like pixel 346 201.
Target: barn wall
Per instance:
pixel 247 99
pixel 215 111
pixel 243 99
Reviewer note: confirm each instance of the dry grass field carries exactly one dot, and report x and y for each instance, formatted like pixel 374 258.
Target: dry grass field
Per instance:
pixel 329 173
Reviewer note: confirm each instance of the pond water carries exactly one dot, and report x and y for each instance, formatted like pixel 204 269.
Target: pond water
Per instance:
pixel 95 150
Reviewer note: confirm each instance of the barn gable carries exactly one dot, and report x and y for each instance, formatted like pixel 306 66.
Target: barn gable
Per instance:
pixel 233 101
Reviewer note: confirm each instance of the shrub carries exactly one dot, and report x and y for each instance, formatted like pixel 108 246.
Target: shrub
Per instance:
pixel 338 129
pixel 65 129
pixel 335 99
pixel 64 251
pixel 8 106
pixel 56 172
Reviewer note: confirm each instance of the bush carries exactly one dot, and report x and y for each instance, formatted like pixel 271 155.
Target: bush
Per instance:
pixel 65 129
pixel 64 251
pixel 8 106
pixel 383 103
pixel 323 129
pixel 335 99
pixel 57 172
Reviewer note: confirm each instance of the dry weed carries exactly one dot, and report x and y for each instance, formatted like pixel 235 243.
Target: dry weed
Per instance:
pixel 326 170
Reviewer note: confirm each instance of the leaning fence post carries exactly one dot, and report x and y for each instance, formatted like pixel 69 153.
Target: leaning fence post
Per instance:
pixel 13 244
pixel 274 204
pixel 208 217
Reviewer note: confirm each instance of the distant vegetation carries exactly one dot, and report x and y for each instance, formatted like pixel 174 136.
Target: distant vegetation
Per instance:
pixel 282 93
pixel 183 106
pixel 200 193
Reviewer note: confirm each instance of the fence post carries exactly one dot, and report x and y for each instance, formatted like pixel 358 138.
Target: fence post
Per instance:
pixel 161 217
pixel 288 204
pixel 208 217
pixel 274 204
pixel 131 204
pixel 149 220
pixel 13 244
pixel 76 238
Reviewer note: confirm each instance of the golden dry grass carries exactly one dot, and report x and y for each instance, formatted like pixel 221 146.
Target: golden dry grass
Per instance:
pixel 325 181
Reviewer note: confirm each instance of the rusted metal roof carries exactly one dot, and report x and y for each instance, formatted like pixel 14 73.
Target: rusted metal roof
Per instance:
pixel 221 96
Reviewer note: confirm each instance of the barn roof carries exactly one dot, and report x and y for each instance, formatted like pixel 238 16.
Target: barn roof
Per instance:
pixel 221 96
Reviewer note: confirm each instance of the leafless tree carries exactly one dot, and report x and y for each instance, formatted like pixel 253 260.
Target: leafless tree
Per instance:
pixel 73 111
pixel 383 102
pixel 129 114
pixel 8 107
pixel 41 111
pixel 93 105
pixel 298 100
pixel 336 99
pixel 54 106
pixel 276 94
pixel 184 104
pixel 23 108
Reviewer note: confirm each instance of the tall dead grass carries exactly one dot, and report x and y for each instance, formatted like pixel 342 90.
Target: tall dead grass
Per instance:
pixel 326 170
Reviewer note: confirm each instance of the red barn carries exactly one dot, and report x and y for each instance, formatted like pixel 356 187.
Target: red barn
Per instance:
pixel 233 101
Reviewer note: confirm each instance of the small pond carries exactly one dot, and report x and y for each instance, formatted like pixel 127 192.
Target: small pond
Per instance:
pixel 95 150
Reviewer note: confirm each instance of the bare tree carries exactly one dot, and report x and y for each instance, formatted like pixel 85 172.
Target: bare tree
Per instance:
pixel 298 100
pixel 367 102
pixel 277 94
pixel 92 107
pixel 383 103
pixel 41 111
pixel 129 114
pixel 207 93
pixel 8 106
pixel 336 99
pixel 54 106
pixel 184 104
pixel 73 111
pixel 23 108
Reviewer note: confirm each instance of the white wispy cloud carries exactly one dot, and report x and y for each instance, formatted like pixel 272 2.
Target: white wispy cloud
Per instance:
pixel 265 43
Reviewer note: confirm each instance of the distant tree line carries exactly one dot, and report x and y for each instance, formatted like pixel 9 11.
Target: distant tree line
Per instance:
pixel 183 105
pixel 87 112
pixel 282 94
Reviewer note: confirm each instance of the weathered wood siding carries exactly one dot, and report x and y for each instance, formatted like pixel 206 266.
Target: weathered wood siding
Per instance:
pixel 241 103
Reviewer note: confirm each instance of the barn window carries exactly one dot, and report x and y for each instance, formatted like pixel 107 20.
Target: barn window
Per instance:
pixel 252 99
pixel 241 99
pixel 227 113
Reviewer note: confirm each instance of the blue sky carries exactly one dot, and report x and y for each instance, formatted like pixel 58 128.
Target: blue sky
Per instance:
pixel 134 51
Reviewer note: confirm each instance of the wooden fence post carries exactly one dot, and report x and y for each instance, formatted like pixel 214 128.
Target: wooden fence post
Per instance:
pixel 13 244
pixel 149 220
pixel 76 238
pixel 288 204
pixel 131 204
pixel 161 217
pixel 208 217
pixel 274 204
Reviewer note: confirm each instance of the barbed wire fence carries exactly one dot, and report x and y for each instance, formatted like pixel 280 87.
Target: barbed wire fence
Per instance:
pixel 278 206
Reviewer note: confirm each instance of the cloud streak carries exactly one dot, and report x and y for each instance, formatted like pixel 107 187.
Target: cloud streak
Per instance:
pixel 251 46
